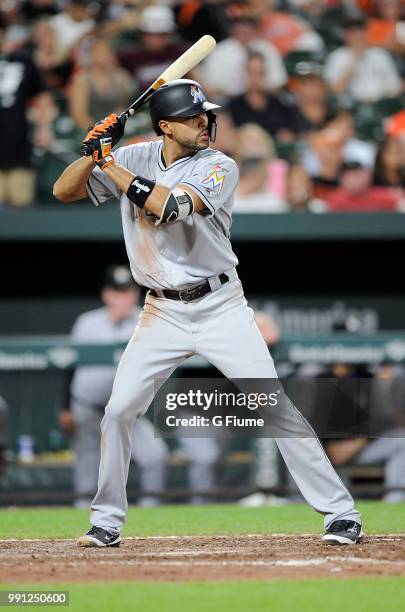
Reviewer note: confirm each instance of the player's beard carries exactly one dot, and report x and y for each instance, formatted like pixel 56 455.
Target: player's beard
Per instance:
pixel 196 144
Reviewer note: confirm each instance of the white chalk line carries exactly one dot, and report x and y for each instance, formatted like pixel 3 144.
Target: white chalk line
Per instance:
pixel 389 537
pixel 176 537
pixel 196 553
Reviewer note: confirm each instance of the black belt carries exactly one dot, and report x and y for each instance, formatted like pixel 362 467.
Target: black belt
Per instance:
pixel 191 294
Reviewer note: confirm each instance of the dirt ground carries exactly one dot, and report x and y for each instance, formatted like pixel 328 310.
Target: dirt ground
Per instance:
pixel 179 559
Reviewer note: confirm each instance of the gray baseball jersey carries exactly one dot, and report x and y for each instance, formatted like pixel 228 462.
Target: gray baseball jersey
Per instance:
pixel 181 254
pixel 93 384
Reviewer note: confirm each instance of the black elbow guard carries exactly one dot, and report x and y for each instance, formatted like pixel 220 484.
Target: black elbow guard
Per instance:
pixel 139 190
pixel 178 206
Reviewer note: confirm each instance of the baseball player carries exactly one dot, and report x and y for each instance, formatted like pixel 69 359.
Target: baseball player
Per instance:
pixel 176 204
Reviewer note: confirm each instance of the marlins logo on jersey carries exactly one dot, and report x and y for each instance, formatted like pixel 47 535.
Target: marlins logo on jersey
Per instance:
pixel 214 179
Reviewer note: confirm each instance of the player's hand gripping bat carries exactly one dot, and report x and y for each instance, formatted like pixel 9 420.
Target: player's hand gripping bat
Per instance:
pixel 190 58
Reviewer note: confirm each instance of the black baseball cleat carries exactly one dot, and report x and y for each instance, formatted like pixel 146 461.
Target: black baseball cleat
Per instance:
pixel 99 538
pixel 343 532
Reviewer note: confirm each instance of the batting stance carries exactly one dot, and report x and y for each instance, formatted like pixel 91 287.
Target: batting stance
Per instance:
pixel 176 204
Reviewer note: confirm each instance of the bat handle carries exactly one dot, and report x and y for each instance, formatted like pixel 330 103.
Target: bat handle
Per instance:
pixel 124 116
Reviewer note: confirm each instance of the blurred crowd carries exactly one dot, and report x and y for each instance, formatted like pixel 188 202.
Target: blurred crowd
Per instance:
pixel 312 92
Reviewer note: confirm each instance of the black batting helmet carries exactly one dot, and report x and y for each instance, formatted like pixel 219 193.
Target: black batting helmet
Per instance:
pixel 181 98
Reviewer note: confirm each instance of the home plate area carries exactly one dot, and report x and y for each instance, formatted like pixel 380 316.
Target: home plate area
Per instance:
pixel 185 558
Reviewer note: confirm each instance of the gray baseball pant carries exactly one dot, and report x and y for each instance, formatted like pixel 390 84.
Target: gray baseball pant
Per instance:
pixel 221 328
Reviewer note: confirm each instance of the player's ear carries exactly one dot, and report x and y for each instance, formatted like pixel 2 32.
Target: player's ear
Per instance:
pixel 165 127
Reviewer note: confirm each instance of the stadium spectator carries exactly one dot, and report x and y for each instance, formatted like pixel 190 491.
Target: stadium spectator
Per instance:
pixel 389 170
pixel 285 31
pixel 157 48
pixel 365 6
pixel 118 21
pixel 365 73
pixel 259 106
pixel 356 193
pixel 312 108
pixel 311 7
pixel 395 128
pixel 17 33
pixel 223 72
pixel 324 16
pixel 262 177
pixel 20 84
pixel 385 28
pixel 329 148
pixel 49 56
pixel 90 390
pixel 72 23
pixel 300 192
pixel 101 88
pixel 195 19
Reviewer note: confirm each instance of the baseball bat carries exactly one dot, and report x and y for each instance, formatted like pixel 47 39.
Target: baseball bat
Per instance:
pixel 183 64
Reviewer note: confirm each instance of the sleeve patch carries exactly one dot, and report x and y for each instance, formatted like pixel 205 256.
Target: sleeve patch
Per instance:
pixel 215 178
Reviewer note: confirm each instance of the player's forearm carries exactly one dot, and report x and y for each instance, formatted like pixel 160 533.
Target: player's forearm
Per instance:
pixel 120 175
pixel 71 185
pixel 123 179
pixel 152 197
